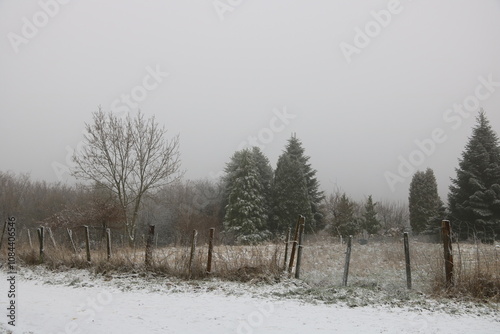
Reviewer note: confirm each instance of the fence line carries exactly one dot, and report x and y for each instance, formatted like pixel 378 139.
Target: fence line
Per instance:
pixel 98 246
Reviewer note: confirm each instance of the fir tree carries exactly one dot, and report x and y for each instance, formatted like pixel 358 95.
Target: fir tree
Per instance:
pixel 265 172
pixel 474 197
pixel 289 194
pixel 424 201
pixel 316 220
pixel 230 170
pixel 245 218
pixel 371 224
pixel 345 223
pixel 264 169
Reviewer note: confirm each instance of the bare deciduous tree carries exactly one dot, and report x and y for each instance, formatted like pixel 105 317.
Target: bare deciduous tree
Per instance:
pixel 394 216
pixel 130 157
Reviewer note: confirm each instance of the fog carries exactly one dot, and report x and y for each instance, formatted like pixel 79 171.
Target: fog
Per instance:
pixel 375 90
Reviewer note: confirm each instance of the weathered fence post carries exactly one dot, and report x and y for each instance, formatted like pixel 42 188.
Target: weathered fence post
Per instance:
pixel 52 237
pixel 87 242
pixel 41 239
pixel 193 250
pixel 108 243
pixel 448 254
pixel 210 250
pixel 347 260
pixel 294 245
pixel 149 246
pixel 287 242
pixel 70 235
pixel 29 239
pixel 3 232
pixel 407 259
pixel 299 250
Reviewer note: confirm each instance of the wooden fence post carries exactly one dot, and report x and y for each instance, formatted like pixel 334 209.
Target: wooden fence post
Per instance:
pixel 52 237
pixel 294 245
pixel 41 239
pixel 448 254
pixel 287 243
pixel 108 243
pixel 347 260
pixel 29 239
pixel 193 250
pixel 407 259
pixel 70 235
pixel 149 247
pixel 299 250
pixel 210 250
pixel 87 242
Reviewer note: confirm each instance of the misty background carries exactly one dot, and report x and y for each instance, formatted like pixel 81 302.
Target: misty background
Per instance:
pixel 230 72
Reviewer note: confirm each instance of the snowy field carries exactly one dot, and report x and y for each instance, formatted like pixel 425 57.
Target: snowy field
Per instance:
pixel 76 301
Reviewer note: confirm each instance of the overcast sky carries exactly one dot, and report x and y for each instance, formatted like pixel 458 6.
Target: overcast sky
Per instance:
pixel 359 82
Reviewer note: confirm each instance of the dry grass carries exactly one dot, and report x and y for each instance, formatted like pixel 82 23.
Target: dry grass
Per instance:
pixel 382 266
pixel 237 263
pixel 379 265
pixel 376 265
pixel 476 273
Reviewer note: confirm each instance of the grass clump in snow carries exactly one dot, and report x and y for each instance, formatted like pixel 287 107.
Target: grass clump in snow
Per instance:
pixel 476 273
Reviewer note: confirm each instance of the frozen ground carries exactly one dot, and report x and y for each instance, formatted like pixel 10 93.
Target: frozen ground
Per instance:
pixel 76 301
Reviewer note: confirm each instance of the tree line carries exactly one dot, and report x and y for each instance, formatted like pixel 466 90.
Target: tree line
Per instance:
pixel 130 173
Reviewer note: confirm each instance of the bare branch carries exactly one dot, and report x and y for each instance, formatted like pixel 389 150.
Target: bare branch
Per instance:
pixel 129 157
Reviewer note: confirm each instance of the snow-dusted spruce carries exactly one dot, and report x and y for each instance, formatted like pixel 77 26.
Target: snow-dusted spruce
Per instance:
pixel 345 222
pixel 290 198
pixel 246 217
pixel 424 203
pixel 314 222
pixel 474 197
pixel 266 175
pixel 293 190
pixel 369 221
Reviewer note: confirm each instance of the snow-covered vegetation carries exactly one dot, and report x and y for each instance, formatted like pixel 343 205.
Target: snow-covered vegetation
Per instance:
pixel 252 208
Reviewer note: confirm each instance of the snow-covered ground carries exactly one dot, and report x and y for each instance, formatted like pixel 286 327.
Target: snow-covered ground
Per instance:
pixel 76 301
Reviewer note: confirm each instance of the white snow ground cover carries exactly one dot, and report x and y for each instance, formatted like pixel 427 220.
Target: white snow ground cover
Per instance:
pixel 76 301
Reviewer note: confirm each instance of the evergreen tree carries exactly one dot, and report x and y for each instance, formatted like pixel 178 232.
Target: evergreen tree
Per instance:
pixel 371 224
pixel 345 223
pixel 265 176
pixel 474 197
pixel 434 225
pixel 246 218
pixel 424 203
pixel 289 194
pixel 316 220
pixel 231 168
pixel 264 169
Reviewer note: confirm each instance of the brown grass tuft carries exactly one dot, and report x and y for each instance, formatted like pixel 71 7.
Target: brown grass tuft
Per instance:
pixel 476 273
